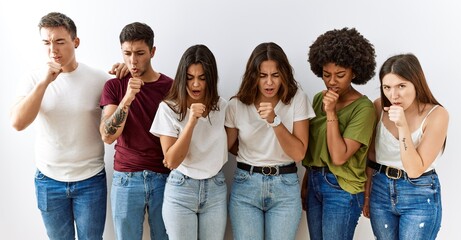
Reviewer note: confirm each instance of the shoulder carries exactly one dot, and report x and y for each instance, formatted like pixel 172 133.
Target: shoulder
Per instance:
pixel 91 70
pixel 377 103
pixel 222 103
pixel 165 78
pixel 439 115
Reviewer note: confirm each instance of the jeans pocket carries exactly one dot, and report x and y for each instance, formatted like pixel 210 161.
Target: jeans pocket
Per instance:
pixel 240 176
pixel 39 175
pixel 424 181
pixel 120 179
pixel 176 178
pixel 331 180
pixel 219 179
pixel 289 179
pixel 374 173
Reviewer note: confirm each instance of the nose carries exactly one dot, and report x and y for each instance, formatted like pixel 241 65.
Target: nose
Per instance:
pixel 332 80
pixel 270 81
pixel 133 59
pixel 195 82
pixel 394 93
pixel 53 47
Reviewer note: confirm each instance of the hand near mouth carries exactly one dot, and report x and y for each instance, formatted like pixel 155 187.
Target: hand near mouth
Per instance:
pixel 196 111
pixel 266 111
pixel 396 114
pixel 330 98
pixel 54 69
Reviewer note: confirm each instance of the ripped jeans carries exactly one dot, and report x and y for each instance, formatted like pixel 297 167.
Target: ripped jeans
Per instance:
pixel 405 208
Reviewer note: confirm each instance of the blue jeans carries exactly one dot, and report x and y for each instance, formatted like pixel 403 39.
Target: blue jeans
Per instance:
pixel 332 213
pixel 133 194
pixel 405 208
pixel 64 204
pixel 195 209
pixel 264 207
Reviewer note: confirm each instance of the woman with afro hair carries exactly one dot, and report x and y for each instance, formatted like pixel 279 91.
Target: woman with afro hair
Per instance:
pixel 340 134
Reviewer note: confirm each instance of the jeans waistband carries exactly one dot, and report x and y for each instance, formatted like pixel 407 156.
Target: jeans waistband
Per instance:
pixel 269 170
pixel 391 172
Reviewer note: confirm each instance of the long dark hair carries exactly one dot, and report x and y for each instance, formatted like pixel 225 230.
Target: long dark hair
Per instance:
pixel 177 96
pixel 407 66
pixel 248 92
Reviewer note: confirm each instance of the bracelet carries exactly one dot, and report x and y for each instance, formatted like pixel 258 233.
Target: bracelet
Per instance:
pixel 332 120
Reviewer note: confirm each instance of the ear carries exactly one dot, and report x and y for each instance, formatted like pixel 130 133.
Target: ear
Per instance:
pixel 152 52
pixel 76 42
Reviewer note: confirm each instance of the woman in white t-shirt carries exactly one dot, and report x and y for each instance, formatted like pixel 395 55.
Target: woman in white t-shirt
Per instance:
pixel 190 124
pixel 268 122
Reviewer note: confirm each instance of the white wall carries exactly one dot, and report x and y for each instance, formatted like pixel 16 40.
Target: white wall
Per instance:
pixel 231 29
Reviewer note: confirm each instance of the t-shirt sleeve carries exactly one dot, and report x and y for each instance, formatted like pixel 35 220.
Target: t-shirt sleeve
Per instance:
pixel 164 122
pixel 360 127
pixel 109 94
pixel 302 107
pixel 230 113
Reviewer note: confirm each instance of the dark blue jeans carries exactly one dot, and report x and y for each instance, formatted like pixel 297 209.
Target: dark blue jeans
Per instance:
pixel 405 208
pixel 332 213
pixel 64 203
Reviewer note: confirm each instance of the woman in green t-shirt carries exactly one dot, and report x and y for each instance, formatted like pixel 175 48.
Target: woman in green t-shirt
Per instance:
pixel 339 135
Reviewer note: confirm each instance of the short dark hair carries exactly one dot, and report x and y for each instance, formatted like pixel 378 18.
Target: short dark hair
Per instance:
pixel 56 19
pixel 177 96
pixel 137 31
pixel 248 92
pixel 346 48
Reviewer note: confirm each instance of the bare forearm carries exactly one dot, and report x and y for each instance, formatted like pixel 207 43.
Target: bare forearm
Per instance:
pixel 26 110
pixel 290 144
pixel 336 144
pixel 411 160
pixel 112 127
pixel 176 154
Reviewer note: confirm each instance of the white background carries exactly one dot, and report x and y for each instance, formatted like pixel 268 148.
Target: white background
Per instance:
pixel 231 29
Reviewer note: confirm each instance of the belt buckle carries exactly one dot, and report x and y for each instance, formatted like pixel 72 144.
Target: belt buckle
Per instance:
pixel 269 171
pixel 399 173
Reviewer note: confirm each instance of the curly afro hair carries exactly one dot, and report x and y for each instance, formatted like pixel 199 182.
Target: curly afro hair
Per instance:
pixel 346 48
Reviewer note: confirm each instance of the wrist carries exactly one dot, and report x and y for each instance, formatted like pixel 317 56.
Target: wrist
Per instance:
pixel 275 122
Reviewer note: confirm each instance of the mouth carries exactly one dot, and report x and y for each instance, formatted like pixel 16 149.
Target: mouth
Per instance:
pixel 334 89
pixel 269 91
pixel 195 93
pixel 57 59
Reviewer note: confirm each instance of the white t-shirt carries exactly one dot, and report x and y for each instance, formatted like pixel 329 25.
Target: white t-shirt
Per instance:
pixel 258 145
pixel 208 148
pixel 68 146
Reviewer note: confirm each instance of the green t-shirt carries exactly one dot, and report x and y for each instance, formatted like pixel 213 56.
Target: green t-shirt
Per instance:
pixel 356 122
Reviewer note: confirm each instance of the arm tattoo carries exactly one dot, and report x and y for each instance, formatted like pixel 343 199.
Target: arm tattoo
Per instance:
pixel 404 143
pixel 112 124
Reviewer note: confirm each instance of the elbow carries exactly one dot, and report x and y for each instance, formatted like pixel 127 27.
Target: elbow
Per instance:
pixel 338 162
pixel 18 126
pixel 299 157
pixel 107 139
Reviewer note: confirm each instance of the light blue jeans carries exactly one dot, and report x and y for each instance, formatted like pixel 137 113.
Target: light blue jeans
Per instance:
pixel 195 209
pixel 264 207
pixel 332 213
pixel 133 194
pixel 405 209
pixel 64 204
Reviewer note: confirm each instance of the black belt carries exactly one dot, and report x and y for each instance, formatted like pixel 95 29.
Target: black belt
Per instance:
pixel 269 170
pixel 320 169
pixel 391 172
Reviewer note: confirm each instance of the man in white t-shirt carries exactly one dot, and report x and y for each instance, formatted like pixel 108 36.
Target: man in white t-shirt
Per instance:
pixel 62 99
